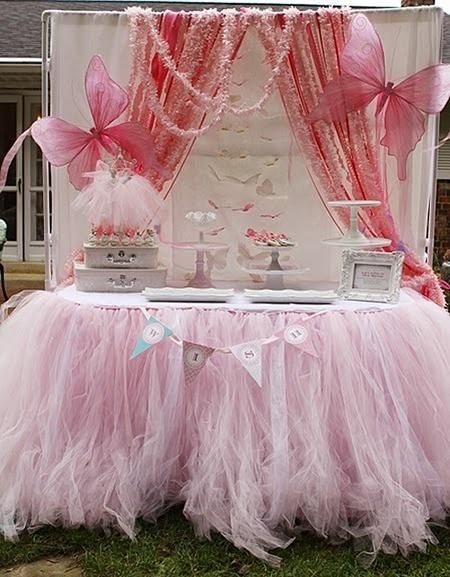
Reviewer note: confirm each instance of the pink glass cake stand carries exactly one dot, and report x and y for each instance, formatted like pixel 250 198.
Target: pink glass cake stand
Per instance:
pixel 200 280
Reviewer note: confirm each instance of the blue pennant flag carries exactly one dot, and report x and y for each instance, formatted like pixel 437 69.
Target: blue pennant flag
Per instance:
pixel 153 333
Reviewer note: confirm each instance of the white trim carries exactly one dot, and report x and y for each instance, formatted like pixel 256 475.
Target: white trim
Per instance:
pixel 45 83
pixel 15 60
pixel 33 250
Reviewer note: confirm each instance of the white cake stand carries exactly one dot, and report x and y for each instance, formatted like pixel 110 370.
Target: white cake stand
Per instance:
pixel 274 272
pixel 354 237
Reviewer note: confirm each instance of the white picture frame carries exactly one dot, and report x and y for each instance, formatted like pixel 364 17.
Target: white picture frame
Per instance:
pixel 371 276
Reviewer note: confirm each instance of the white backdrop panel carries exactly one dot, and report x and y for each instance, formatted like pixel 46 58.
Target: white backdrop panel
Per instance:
pixel 259 146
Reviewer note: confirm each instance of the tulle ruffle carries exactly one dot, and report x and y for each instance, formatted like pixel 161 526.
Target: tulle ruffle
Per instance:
pixel 354 443
pixel 121 201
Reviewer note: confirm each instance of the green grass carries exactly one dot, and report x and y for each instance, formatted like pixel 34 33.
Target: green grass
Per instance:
pixel 170 549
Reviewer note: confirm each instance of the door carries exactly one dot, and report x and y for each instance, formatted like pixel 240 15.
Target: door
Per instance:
pixel 21 202
pixel 11 199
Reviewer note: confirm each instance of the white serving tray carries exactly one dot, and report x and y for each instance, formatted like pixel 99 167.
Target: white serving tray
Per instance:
pixel 290 296
pixel 189 294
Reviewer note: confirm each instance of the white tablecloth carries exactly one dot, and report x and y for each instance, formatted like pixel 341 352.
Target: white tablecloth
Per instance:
pixel 239 302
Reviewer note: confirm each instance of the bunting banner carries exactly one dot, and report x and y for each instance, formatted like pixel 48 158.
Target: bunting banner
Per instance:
pixel 194 359
pixel 153 333
pixel 249 355
pixel 299 336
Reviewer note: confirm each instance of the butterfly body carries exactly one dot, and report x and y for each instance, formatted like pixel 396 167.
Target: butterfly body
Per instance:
pixel 245 208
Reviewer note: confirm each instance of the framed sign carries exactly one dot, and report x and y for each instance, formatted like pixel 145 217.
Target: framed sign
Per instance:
pixel 371 276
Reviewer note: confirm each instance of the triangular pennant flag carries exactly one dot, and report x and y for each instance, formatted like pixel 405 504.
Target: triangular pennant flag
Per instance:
pixel 153 333
pixel 249 354
pixel 299 336
pixel 194 359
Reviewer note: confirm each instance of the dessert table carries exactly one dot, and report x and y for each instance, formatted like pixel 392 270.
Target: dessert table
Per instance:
pixel 348 437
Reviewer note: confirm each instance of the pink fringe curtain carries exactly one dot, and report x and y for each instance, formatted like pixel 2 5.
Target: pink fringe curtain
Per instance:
pixel 196 44
pixel 343 157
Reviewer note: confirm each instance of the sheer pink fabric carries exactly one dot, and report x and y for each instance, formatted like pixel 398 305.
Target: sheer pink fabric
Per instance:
pixel 196 45
pixel 342 155
pixel 352 443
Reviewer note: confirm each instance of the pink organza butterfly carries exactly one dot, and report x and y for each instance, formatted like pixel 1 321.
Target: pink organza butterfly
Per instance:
pixel 66 144
pixel 363 79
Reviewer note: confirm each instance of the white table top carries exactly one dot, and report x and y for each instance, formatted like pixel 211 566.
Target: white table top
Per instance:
pixel 137 300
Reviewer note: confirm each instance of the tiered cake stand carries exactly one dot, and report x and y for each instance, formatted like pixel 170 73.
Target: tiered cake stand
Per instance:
pixel 354 237
pixel 274 272
pixel 200 279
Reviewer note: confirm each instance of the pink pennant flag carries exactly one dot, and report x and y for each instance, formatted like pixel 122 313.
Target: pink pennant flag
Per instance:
pixel 249 355
pixel 194 359
pixel 299 336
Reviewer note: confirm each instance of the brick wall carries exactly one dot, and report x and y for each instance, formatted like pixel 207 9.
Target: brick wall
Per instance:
pixel 442 228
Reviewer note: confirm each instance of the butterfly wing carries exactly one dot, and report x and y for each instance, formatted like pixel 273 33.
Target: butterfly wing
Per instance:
pixel 217 259
pixel 363 74
pixel 363 55
pixel 107 100
pixel 405 126
pixel 341 96
pixel 139 143
pixel 265 188
pixel 59 140
pixel 84 162
pixel 428 90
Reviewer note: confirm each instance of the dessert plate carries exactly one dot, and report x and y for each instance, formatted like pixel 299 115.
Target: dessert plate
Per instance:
pixel 187 294
pixel 291 296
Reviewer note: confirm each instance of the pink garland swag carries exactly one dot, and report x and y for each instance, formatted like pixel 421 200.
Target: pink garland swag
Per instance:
pixel 179 88
pixel 180 66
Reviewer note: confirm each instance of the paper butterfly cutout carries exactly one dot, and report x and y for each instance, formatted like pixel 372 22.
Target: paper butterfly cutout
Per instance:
pixel 65 144
pixel 215 231
pixel 217 259
pixel 363 79
pixel 266 188
pixel 245 208
pixel 216 206
pixel 250 180
pixel 273 216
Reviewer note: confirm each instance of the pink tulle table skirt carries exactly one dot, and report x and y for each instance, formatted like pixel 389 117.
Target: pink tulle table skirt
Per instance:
pixel 353 442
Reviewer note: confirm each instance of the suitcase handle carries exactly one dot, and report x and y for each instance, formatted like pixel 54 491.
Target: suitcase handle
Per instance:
pixel 121 258
pixel 122 282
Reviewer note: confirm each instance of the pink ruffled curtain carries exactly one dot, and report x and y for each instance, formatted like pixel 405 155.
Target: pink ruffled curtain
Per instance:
pixel 343 157
pixel 196 45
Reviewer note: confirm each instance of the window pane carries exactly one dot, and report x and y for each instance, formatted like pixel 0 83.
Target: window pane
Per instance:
pixel 8 212
pixel 37 215
pixel 35 151
pixel 8 123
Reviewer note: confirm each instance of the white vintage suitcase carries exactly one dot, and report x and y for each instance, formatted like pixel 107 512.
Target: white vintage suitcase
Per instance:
pixel 120 256
pixel 118 281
